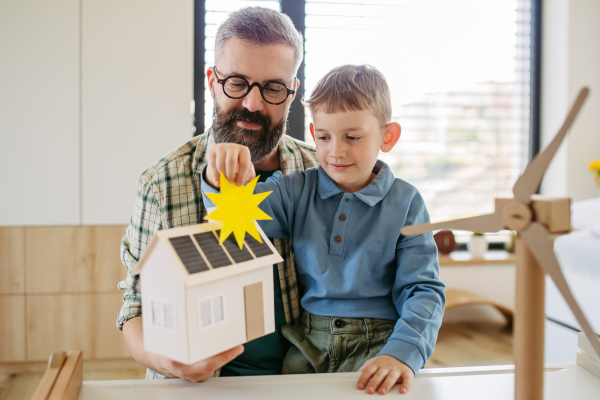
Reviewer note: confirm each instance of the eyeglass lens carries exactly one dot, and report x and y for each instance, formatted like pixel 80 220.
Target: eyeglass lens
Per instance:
pixel 272 92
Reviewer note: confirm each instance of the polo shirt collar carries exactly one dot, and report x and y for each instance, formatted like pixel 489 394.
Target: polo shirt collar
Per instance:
pixel 371 195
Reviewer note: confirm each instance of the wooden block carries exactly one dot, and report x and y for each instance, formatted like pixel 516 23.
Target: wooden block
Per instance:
pixel 255 315
pixel 71 259
pixel 48 381
pixel 12 328
pixel 80 321
pixel 12 260
pixel 554 212
pixel 70 379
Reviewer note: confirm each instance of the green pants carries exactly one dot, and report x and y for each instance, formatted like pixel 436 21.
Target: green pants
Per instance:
pixel 331 344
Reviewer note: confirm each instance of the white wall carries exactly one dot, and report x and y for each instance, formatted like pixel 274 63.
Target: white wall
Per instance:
pixel 571 60
pixel 39 112
pixel 92 92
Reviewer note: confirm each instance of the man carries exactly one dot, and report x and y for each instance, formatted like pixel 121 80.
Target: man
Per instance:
pixel 257 54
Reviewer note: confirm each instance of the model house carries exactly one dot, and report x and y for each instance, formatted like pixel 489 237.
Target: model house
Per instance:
pixel 201 298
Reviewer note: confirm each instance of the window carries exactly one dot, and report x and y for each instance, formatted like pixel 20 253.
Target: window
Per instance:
pixel 163 315
pixel 211 311
pixel 460 76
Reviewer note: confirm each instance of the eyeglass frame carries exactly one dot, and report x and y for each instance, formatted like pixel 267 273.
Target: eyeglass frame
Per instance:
pixel 250 86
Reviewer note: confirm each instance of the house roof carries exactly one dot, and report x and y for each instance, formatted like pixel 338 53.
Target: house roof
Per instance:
pixel 199 258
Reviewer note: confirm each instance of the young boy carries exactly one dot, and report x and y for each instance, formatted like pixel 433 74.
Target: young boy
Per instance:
pixel 373 300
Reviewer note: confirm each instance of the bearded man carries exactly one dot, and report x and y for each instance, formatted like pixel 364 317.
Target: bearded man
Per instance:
pixel 257 54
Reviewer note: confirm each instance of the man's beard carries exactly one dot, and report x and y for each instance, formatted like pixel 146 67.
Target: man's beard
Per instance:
pixel 261 142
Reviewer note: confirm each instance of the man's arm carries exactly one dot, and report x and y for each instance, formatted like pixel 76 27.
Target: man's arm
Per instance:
pixel 202 370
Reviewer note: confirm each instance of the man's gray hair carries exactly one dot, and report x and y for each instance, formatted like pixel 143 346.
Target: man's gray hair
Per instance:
pixel 262 26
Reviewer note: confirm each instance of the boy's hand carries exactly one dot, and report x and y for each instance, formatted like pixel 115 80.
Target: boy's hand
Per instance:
pixel 384 372
pixel 233 160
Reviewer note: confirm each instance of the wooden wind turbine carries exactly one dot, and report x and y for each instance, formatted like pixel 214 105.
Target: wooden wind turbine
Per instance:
pixel 534 219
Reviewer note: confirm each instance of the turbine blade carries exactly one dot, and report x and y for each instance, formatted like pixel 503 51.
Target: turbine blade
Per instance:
pixel 530 181
pixel 540 245
pixel 480 223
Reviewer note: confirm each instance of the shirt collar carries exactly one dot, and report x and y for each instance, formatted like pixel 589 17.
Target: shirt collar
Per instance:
pixel 371 195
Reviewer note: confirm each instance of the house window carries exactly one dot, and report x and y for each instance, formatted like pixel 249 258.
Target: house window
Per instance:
pixel 211 311
pixel 163 315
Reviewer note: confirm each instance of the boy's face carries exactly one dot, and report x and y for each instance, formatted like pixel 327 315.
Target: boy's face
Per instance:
pixel 348 144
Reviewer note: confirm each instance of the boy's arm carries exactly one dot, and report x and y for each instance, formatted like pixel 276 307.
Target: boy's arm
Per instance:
pixel 417 293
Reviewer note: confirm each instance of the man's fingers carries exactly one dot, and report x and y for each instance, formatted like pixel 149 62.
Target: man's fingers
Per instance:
pixel 389 381
pixel 407 379
pixel 223 358
pixel 231 166
pixel 245 165
pixel 367 373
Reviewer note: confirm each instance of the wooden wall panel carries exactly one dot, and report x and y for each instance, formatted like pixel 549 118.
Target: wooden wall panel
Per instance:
pixel 73 259
pixel 12 328
pixel 74 321
pixel 12 260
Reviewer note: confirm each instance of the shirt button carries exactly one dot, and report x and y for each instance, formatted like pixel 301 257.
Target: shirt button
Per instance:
pixel 338 239
pixel 338 323
pixel 342 217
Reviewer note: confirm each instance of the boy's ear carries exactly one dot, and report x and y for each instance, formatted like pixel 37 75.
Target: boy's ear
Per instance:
pixel 210 77
pixel 312 131
pixel 391 136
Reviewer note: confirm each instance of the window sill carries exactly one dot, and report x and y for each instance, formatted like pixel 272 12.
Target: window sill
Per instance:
pixel 462 258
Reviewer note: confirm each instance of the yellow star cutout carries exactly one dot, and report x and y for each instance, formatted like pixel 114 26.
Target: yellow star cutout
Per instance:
pixel 238 209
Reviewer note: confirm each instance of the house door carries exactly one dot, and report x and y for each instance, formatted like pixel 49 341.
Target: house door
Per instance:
pixel 255 311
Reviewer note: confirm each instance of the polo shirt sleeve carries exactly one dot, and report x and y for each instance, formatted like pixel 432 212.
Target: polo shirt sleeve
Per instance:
pixel 418 293
pixel 280 204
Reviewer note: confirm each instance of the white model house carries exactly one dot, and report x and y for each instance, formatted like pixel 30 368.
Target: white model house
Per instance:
pixel 200 298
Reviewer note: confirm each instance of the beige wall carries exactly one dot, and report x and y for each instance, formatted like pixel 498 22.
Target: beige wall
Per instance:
pixel 571 60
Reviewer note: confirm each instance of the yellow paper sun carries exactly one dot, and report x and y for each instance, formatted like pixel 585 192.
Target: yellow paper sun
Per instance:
pixel 237 208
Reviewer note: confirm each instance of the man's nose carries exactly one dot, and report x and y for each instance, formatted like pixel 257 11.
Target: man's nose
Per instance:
pixel 253 100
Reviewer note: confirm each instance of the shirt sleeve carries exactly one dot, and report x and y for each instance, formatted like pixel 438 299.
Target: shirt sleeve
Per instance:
pixel 280 205
pixel 418 294
pixel 145 221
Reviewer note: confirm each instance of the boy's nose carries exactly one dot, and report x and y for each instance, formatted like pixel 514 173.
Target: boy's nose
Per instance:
pixel 338 149
pixel 253 100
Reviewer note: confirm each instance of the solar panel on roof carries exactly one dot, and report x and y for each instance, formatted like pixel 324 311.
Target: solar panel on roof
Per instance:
pixel 259 249
pixel 210 246
pixel 189 254
pixel 238 255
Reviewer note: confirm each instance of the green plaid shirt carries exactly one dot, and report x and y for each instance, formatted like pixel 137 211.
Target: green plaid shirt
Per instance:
pixel 169 196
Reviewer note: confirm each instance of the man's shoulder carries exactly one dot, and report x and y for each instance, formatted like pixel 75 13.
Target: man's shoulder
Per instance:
pixel 181 160
pixel 296 154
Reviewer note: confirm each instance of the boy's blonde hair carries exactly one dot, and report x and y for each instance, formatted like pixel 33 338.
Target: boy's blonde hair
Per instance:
pixel 352 87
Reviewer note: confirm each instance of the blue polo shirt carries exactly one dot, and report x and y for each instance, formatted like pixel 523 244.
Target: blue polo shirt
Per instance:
pixel 352 260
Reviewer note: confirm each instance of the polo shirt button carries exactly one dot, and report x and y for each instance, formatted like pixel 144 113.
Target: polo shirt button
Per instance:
pixel 342 217
pixel 338 323
pixel 338 239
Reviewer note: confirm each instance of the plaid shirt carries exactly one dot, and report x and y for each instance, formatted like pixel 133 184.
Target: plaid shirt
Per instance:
pixel 169 196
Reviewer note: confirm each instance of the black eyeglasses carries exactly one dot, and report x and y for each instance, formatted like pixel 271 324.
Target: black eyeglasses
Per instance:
pixel 236 87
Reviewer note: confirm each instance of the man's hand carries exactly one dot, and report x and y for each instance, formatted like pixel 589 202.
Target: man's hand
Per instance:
pixel 384 372
pixel 233 160
pixel 133 333
pixel 200 371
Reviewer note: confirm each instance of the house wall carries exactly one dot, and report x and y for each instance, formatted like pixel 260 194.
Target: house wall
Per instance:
pixel 161 280
pixel 208 342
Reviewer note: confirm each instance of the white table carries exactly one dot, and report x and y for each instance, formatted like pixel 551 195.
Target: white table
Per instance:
pixel 562 381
